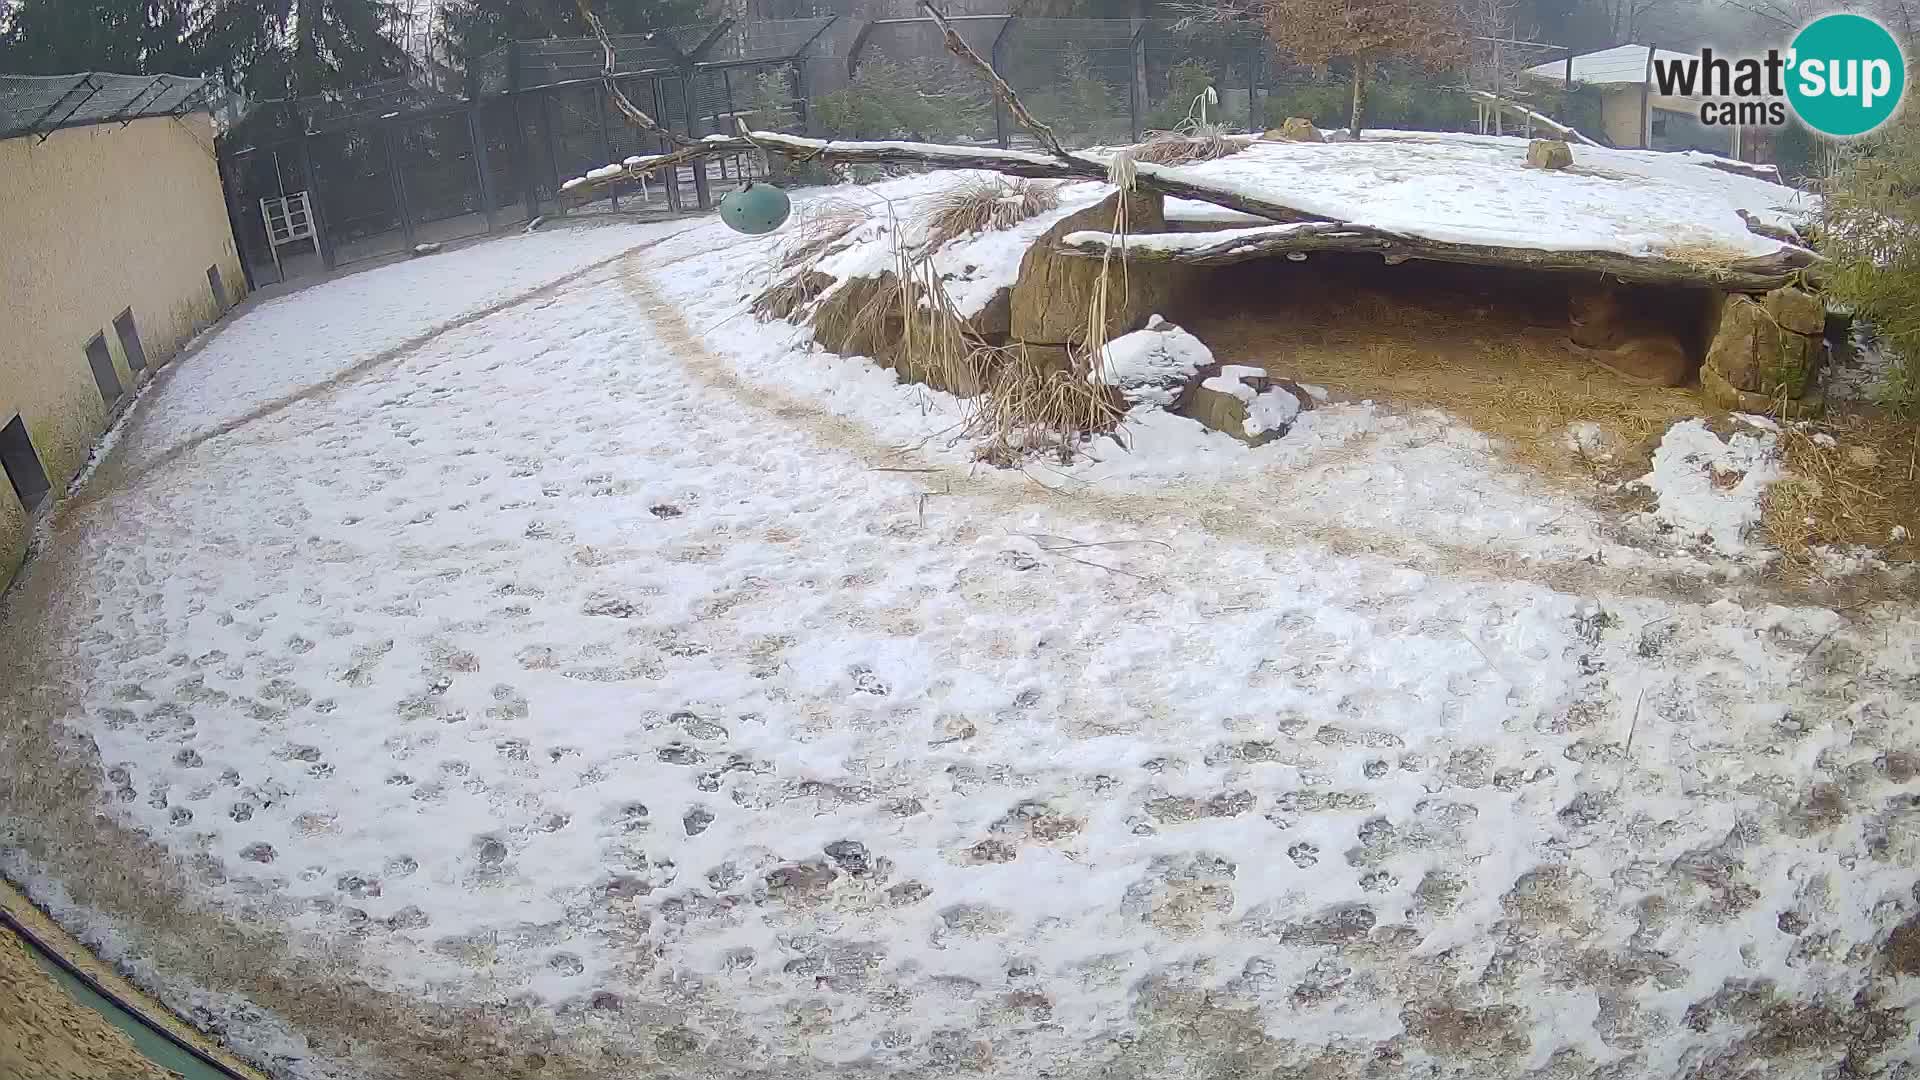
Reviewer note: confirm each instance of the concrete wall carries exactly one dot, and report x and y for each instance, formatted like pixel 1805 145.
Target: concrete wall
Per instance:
pixel 1620 116
pixel 95 220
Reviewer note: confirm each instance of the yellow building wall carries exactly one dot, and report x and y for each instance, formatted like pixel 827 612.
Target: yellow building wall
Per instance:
pixel 95 220
pixel 1620 117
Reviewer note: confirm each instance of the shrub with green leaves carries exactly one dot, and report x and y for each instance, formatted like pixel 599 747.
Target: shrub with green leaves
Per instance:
pixel 1870 229
pixel 1185 81
pixel 921 99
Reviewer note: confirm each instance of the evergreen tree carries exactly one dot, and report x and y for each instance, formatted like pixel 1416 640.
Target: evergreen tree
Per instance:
pixel 133 37
pixel 294 48
pixel 469 29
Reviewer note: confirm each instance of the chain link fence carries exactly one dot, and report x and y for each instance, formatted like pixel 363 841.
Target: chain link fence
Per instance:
pixel 409 161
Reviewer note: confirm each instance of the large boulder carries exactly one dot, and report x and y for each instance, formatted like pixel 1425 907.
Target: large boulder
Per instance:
pixel 1152 366
pixel 1726 396
pixel 1244 402
pixel 1797 310
pixel 1549 154
pixel 1754 351
pixel 1053 295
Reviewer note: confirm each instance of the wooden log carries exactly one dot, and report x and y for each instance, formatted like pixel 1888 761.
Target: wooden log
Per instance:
pixel 1540 120
pixel 1161 178
pixel 1752 274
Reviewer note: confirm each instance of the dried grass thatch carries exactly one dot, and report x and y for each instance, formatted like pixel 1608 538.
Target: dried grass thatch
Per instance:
pixel 790 294
pixel 1037 408
pixel 1015 404
pixel 1200 142
pixel 983 204
pixel 1499 371
pixel 822 224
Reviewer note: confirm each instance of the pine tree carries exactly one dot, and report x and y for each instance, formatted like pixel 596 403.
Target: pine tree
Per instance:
pixel 469 29
pixel 132 37
pixel 295 48
pixel 1364 32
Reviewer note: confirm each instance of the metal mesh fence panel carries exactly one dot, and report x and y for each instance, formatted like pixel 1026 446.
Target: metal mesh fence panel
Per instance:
pixel 393 160
pixel 1076 74
pixel 359 203
pixel 438 173
pixel 250 176
pixel 34 104
pixel 1182 63
pixel 507 165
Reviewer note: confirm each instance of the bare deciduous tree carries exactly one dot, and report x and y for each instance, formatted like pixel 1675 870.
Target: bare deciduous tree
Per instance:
pixel 1364 32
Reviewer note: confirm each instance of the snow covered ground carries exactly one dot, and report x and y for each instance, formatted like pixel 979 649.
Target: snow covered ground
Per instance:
pixel 691 692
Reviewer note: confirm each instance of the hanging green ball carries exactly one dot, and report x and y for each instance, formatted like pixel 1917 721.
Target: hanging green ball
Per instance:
pixel 755 209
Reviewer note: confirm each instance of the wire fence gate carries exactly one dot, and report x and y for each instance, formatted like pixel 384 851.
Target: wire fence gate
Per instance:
pixel 433 156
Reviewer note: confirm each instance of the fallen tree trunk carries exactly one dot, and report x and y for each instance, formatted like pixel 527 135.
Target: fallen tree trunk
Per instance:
pixel 1752 274
pixel 1540 120
pixel 1161 178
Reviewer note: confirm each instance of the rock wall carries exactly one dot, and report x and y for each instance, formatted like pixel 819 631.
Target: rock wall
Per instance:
pixel 1054 293
pixel 1767 350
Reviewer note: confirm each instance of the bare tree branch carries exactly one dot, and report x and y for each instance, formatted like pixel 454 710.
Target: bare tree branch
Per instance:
pixel 1001 88
pixel 627 108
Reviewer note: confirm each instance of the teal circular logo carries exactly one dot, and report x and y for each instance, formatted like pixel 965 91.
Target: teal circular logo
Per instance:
pixel 1846 75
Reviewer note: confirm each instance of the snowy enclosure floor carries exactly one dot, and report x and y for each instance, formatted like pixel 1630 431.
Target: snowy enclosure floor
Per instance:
pixel 622 668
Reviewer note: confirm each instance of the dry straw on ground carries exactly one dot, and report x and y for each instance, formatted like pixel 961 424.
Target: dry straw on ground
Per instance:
pixel 1522 384
pixel 1201 142
pixel 1848 480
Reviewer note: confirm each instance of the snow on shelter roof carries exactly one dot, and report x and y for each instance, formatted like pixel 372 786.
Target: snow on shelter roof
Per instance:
pixel 1477 189
pixel 1620 64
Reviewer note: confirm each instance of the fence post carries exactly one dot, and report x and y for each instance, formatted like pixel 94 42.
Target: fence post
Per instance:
pixel 801 99
pixel 672 179
pixel 700 192
pixel 1137 99
pixel 999 55
pixel 523 155
pixel 726 85
pixel 323 239
pixel 390 135
pixel 553 158
pixel 476 137
pixel 600 104
pixel 1254 121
